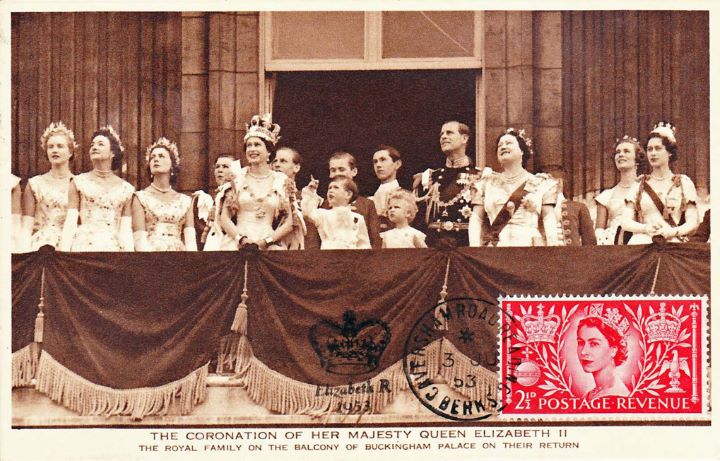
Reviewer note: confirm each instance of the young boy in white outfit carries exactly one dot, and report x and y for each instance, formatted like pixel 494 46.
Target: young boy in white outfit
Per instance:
pixel 340 228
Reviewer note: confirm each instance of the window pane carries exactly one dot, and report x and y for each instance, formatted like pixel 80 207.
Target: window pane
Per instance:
pixel 318 35
pixel 428 34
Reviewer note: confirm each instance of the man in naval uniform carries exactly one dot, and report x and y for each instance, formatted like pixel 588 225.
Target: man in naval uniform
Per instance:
pixel 444 193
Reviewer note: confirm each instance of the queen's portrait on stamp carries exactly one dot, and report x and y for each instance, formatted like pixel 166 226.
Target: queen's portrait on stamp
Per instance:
pixel 601 347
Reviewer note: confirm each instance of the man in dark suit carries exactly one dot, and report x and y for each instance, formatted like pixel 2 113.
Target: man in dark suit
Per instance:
pixel 344 164
pixel 445 192
pixel 289 161
pixel 576 226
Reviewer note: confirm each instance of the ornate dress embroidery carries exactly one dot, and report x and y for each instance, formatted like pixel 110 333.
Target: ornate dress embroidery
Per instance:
pixel 523 227
pixel 255 208
pixel 675 199
pixel 51 201
pixel 614 200
pixel 100 212
pixel 164 220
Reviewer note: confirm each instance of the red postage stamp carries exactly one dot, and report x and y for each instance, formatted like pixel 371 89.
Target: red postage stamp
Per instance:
pixel 627 357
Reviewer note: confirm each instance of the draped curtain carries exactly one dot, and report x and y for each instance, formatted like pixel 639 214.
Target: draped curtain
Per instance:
pixel 128 333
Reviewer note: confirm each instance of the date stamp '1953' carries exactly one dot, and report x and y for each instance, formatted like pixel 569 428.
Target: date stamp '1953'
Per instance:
pixel 607 356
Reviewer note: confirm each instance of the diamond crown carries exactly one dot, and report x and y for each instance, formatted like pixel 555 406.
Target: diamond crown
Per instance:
pixel 521 132
pixel 626 138
pixel 58 127
pixel 261 126
pixel 540 327
pixel 114 134
pixel 611 317
pixel 662 326
pixel 666 129
pixel 167 144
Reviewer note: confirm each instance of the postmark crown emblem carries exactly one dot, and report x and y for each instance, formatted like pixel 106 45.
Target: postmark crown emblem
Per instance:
pixel 352 347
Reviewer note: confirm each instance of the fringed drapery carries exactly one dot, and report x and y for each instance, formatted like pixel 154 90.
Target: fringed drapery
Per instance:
pixel 78 394
pixel 128 334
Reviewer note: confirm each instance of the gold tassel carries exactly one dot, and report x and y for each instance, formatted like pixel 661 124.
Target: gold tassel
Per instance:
pixel 441 323
pixel 239 324
pixel 40 319
pixel 39 327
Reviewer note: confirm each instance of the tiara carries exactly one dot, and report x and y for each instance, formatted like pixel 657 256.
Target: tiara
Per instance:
pixel 167 144
pixel 261 126
pixel 521 133
pixel 626 138
pixel 666 129
pixel 58 127
pixel 612 317
pixel 114 134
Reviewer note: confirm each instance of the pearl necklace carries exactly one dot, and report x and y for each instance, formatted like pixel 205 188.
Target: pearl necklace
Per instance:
pixel 102 173
pixel 54 176
pixel 512 179
pixel 259 177
pixel 162 191
pixel 661 179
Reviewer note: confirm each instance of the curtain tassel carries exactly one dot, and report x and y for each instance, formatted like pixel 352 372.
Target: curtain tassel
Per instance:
pixel 239 324
pixel 40 319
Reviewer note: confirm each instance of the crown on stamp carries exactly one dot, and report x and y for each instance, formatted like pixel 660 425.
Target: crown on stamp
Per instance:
pixel 261 126
pixel 611 317
pixel 540 327
pixel 662 326
pixel 351 348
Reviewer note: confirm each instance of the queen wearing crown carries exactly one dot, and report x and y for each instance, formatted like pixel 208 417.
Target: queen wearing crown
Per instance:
pixel 260 205
pixel 662 204
pixel 101 200
pixel 507 206
pixel 629 159
pixel 162 217
pixel 45 199
pixel 601 348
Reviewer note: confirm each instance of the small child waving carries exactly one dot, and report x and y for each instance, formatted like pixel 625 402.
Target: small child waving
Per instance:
pixel 340 228
pixel 401 210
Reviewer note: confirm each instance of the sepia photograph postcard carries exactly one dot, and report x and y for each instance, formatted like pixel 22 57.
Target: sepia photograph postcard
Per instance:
pixel 333 230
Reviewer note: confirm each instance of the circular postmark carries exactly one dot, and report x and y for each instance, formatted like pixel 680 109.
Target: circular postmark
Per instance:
pixel 451 359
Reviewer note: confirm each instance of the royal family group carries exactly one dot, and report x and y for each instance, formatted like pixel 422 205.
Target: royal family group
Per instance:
pixel 259 205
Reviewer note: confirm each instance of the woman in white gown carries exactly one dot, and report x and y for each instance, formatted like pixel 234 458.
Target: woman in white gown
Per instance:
pixel 661 204
pixel 162 217
pixel 629 158
pixel 258 198
pixel 45 198
pixel 514 200
pixel 101 200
